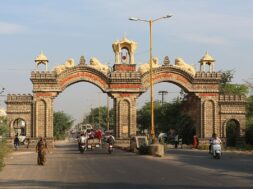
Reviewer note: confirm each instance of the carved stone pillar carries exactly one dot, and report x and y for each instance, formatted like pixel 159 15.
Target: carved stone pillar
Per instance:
pixel 43 115
pixel 209 114
pixel 125 115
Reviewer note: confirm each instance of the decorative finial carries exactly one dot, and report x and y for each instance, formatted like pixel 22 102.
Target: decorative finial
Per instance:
pixel 82 61
pixel 166 61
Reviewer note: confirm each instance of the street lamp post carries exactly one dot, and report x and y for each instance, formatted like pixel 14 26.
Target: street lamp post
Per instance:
pixel 151 67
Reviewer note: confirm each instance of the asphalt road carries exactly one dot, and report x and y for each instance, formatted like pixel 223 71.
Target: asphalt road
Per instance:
pixel 179 169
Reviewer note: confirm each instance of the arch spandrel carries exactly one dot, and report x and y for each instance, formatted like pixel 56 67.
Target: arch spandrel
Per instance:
pixel 79 74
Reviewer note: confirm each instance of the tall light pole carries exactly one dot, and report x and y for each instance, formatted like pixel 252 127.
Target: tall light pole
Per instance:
pixel 151 67
pixel 107 116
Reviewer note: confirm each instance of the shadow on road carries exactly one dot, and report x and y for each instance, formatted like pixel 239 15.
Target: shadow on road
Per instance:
pixel 60 185
pixel 229 162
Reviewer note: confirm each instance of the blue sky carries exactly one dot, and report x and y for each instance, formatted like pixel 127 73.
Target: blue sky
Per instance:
pixel 64 29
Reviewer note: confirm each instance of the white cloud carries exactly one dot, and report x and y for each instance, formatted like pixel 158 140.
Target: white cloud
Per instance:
pixel 11 28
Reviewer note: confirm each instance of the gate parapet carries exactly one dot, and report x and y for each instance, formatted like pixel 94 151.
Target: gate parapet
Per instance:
pixel 208 75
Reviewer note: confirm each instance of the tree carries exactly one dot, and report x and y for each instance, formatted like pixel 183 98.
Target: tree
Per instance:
pixel 227 88
pixel 93 117
pixel 3 126
pixel 62 122
pixel 249 116
pixel 167 116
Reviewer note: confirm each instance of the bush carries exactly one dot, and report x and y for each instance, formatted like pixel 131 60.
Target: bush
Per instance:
pixel 143 150
pixel 4 149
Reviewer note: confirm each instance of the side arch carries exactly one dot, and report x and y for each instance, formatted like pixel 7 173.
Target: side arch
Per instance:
pixel 170 74
pixel 224 126
pixel 82 73
pixel 18 126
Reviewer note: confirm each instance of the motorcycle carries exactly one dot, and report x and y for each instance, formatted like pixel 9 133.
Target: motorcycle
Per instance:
pixel 110 148
pixel 216 151
pixel 82 148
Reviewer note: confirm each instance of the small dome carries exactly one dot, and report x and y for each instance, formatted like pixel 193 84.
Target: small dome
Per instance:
pixel 207 58
pixel 41 58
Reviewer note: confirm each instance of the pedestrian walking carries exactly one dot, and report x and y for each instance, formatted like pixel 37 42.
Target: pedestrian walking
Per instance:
pixel 195 141
pixel 41 148
pixel 16 141
pixel 176 140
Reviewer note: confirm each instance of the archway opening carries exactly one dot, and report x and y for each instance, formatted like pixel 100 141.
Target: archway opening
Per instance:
pixel 85 103
pixel 174 113
pixel 19 127
pixel 232 132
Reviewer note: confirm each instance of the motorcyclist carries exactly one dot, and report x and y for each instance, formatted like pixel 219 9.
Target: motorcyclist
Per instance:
pixel 110 139
pixel 82 140
pixel 214 140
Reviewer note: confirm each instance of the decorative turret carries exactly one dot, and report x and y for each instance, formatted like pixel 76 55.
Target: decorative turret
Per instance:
pixel 41 59
pixel 82 61
pixel 124 51
pixel 207 59
pixel 166 61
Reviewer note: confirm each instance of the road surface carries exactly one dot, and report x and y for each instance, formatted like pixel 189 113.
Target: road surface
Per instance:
pixel 179 169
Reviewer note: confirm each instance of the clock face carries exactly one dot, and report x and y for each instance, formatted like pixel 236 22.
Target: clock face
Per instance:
pixel 124 56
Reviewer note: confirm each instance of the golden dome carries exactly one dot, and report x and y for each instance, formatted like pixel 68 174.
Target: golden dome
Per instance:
pixel 207 58
pixel 41 58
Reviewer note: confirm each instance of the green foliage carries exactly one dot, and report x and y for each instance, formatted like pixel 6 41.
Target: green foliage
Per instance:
pixel 232 132
pixel 249 110
pixel 249 123
pixel 249 134
pixel 167 116
pixel 227 76
pixel 100 113
pixel 234 89
pixel 3 126
pixel 4 149
pixel 62 122
pixel 231 89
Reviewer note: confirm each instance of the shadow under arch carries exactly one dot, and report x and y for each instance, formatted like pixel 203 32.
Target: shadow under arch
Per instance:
pixel 231 131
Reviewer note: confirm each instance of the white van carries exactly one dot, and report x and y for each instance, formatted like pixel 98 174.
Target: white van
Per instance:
pixel 85 127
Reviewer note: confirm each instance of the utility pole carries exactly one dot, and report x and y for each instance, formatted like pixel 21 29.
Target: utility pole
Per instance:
pixel 108 116
pixel 99 113
pixel 163 93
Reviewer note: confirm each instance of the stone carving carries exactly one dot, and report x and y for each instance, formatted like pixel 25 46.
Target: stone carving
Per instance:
pixel 68 64
pixel 146 67
pixel 95 63
pixel 166 61
pixel 179 62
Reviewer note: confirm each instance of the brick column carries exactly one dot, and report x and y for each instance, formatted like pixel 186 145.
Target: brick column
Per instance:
pixel 125 115
pixel 43 115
